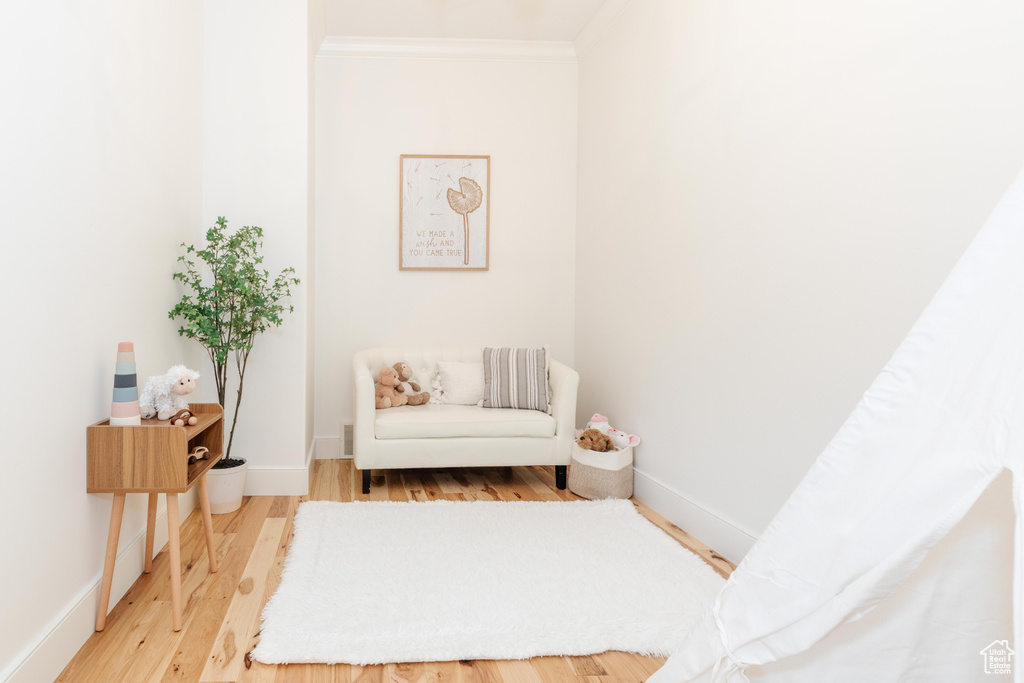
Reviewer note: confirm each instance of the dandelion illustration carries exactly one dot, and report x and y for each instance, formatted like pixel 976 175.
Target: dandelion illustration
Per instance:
pixel 464 203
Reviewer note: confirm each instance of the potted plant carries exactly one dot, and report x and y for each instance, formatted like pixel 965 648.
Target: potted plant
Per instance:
pixel 229 300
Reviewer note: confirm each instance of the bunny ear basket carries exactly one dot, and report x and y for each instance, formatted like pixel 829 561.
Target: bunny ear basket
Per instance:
pixel 602 461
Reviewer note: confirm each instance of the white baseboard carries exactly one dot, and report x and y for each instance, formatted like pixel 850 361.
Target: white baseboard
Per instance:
pixel 47 655
pixel 725 539
pixel 330 449
pixel 281 481
pixel 310 461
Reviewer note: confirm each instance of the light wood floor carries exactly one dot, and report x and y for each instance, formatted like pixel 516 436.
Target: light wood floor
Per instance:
pixel 221 611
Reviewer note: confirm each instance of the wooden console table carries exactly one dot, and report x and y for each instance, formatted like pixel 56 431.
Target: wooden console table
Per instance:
pixel 153 458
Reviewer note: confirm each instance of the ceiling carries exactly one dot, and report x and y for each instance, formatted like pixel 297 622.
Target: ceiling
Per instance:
pixel 482 19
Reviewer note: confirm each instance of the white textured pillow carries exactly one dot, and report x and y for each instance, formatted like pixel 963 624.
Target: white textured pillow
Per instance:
pixel 461 383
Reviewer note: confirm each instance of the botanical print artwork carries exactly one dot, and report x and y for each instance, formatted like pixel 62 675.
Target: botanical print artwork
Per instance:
pixel 444 212
pixel 464 203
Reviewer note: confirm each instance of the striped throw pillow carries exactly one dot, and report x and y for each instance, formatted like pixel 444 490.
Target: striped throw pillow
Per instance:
pixel 516 378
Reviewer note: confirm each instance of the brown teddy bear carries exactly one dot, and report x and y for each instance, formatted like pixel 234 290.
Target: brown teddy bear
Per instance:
pixel 386 392
pixel 593 440
pixel 408 387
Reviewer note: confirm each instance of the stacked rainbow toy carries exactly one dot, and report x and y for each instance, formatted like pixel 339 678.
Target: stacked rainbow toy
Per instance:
pixel 124 410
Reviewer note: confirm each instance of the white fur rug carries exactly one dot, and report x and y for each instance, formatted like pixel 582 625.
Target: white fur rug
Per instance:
pixel 378 582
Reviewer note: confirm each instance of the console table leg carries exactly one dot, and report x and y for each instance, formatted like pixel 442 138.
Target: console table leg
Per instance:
pixel 174 543
pixel 150 532
pixel 116 512
pixel 204 504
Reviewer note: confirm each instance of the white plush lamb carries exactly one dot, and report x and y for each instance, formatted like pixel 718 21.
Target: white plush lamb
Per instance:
pixel 165 395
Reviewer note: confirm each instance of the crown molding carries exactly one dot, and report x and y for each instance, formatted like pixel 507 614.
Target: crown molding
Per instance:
pixel 358 47
pixel 604 18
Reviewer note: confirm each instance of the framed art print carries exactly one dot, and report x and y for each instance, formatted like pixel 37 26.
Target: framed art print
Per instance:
pixel 444 212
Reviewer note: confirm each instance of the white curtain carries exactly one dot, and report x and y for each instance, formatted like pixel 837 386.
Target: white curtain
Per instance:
pixel 838 587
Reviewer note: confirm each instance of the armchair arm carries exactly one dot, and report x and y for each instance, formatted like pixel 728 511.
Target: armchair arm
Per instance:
pixel 564 384
pixel 364 409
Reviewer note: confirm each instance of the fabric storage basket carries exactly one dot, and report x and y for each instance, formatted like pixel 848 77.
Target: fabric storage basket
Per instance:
pixel 601 475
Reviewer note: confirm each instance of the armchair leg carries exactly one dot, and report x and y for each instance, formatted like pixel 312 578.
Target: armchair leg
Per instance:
pixel 366 481
pixel 560 476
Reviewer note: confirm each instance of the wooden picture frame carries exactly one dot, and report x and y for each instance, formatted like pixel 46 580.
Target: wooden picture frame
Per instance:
pixel 444 212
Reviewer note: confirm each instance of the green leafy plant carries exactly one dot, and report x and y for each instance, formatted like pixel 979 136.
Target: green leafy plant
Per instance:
pixel 230 299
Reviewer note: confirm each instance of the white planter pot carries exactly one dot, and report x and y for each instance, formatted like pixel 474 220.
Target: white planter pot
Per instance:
pixel 226 488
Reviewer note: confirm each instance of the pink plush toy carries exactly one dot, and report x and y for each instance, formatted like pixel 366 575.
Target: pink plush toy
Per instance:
pixel 620 439
pixel 599 422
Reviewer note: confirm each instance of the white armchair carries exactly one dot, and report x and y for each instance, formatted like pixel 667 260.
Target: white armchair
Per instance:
pixel 453 435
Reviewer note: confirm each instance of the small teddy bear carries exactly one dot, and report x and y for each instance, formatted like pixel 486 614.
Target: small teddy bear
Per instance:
pixel 164 395
pixel 408 387
pixel 386 392
pixel 593 440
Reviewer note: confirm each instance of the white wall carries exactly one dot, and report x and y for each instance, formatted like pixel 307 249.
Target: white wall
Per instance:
pixel 369 112
pixel 101 136
pixel 769 195
pixel 256 150
pixel 317 28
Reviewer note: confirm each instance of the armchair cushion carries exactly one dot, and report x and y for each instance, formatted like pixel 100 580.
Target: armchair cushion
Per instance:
pixel 445 421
